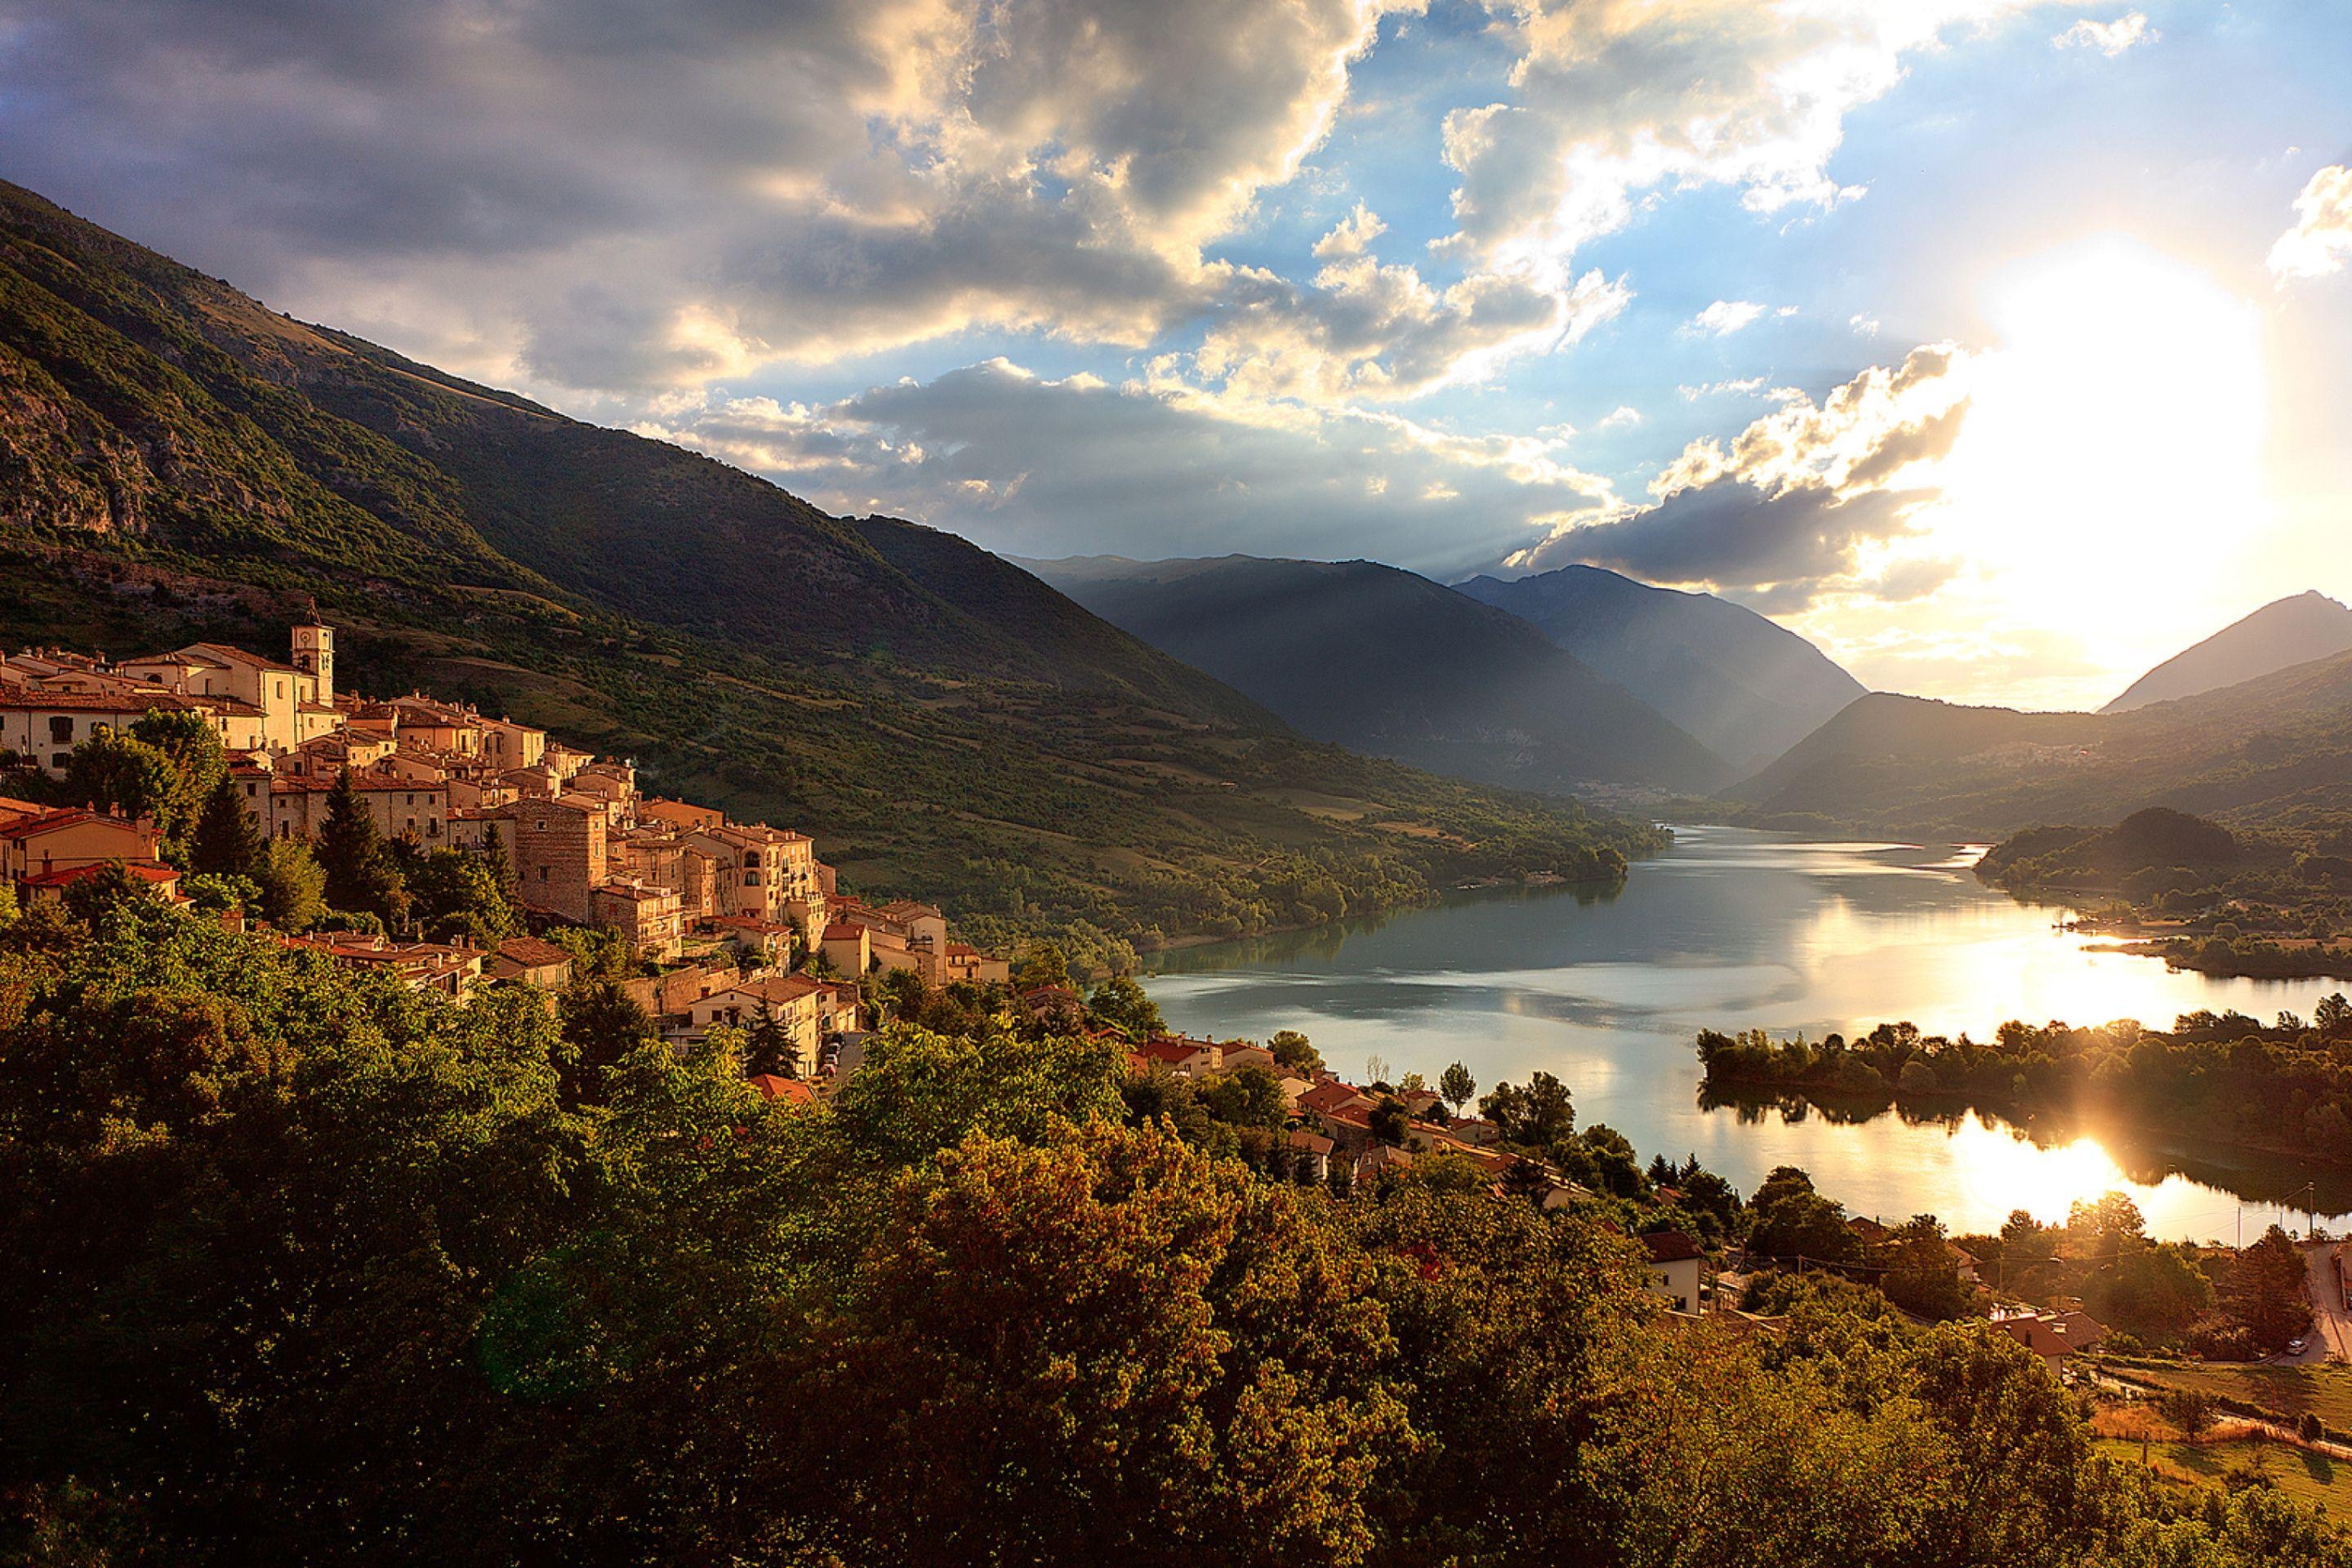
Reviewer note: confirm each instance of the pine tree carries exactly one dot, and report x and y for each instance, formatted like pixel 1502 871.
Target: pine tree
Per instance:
pixel 227 841
pixel 768 1047
pixel 361 874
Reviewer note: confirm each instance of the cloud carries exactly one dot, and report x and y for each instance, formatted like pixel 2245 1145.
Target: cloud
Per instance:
pixel 1040 467
pixel 1724 317
pixel 2110 39
pixel 1352 236
pixel 1745 386
pixel 1799 502
pixel 612 195
pixel 1623 415
pixel 2321 238
pixel 1610 98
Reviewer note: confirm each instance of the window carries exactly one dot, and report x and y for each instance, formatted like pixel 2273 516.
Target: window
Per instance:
pixel 542 873
pixel 751 878
pixel 751 856
pixel 411 801
pixel 61 732
pixel 61 762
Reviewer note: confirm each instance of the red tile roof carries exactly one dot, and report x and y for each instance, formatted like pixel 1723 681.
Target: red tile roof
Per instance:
pixel 791 1090
pixel 1671 1247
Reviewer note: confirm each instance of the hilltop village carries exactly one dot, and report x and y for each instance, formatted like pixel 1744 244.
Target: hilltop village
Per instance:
pixel 727 921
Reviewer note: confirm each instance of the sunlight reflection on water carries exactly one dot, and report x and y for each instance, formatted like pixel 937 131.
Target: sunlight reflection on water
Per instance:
pixel 1731 930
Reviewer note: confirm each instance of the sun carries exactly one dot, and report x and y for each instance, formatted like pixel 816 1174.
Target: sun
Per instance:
pixel 2111 461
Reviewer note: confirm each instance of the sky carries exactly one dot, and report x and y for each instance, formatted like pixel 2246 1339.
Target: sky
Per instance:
pixel 2002 348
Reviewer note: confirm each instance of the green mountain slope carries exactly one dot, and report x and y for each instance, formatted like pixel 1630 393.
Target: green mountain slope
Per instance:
pixel 2272 751
pixel 2278 636
pixel 178 462
pixel 1745 687
pixel 1388 662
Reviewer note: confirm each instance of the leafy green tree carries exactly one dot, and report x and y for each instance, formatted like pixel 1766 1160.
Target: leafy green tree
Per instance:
pixel 1921 1275
pixel 1294 1052
pixel 2269 1290
pixel 1535 1117
pixel 227 840
pixel 1247 1097
pixel 188 740
pixel 1389 1123
pixel 603 1026
pixel 456 896
pixel 1455 1085
pixel 293 886
pixel 2190 1410
pixel 116 773
pixel 1044 965
pixel 1121 1003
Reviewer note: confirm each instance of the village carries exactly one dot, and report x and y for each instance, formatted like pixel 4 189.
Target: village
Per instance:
pixel 730 921
pixel 730 924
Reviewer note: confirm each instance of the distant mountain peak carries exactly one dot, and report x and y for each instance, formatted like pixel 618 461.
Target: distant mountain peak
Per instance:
pixel 2287 632
pixel 1745 685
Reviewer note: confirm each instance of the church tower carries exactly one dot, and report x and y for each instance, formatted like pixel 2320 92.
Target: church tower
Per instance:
pixel 314 651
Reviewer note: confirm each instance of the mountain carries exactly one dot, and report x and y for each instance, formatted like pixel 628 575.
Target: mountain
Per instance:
pixel 1387 662
pixel 1744 687
pixel 2285 633
pixel 2275 751
pixel 178 463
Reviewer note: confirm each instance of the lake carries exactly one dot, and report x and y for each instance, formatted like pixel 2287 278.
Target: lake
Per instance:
pixel 1733 929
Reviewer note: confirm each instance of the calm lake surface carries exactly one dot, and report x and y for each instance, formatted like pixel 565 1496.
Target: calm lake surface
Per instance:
pixel 1733 929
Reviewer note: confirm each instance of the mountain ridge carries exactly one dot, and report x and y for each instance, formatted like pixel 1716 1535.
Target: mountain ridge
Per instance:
pixel 1743 685
pixel 1383 659
pixel 2282 634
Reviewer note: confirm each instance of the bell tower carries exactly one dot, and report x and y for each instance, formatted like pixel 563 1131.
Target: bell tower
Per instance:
pixel 314 651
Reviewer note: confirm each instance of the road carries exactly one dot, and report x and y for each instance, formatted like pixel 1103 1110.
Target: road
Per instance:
pixel 2331 1323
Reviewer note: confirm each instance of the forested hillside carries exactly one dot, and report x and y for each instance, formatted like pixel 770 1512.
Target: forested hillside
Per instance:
pixel 2270 753
pixel 178 462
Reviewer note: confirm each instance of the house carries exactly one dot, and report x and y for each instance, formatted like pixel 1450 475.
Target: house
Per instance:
pixel 531 961
pixel 1381 1157
pixel 163 882
pixel 1244 1054
pixel 46 726
pixel 420 965
pixel 2083 1330
pixel 791 1091
pixel 847 948
pixel 1676 1265
pixel 2042 1334
pixel 1475 1130
pixel 1185 1059
pixel 647 918
pixel 790 1000
pixel 34 847
pixel 1329 1096
pixel 558 849
pixel 1310 1155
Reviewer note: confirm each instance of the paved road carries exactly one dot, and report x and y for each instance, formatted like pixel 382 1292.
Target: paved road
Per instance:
pixel 2331 1323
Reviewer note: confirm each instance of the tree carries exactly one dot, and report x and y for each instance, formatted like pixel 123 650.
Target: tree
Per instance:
pixel 768 1045
pixel 1120 1003
pixel 228 839
pixel 116 773
pixel 2025 1241
pixel 1536 1116
pixel 293 886
pixel 2190 1411
pixel 1293 1050
pixel 2333 1015
pixel 1455 1085
pixel 1250 1097
pixel 188 740
pixel 457 897
pixel 2269 1290
pixel 1921 1275
pixel 2102 1227
pixel 1043 964
pixel 500 864
pixel 361 874
pixel 1389 1121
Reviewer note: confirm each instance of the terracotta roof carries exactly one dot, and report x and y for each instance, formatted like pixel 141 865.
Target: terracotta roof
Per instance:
pixel 1671 1247
pixel 789 1090
pixel 156 874
pixel 1170 1051
pixel 34 827
pixel 842 931
pixel 87 702
pixel 1328 1097
pixel 221 653
pixel 532 952
pixel 1311 1143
